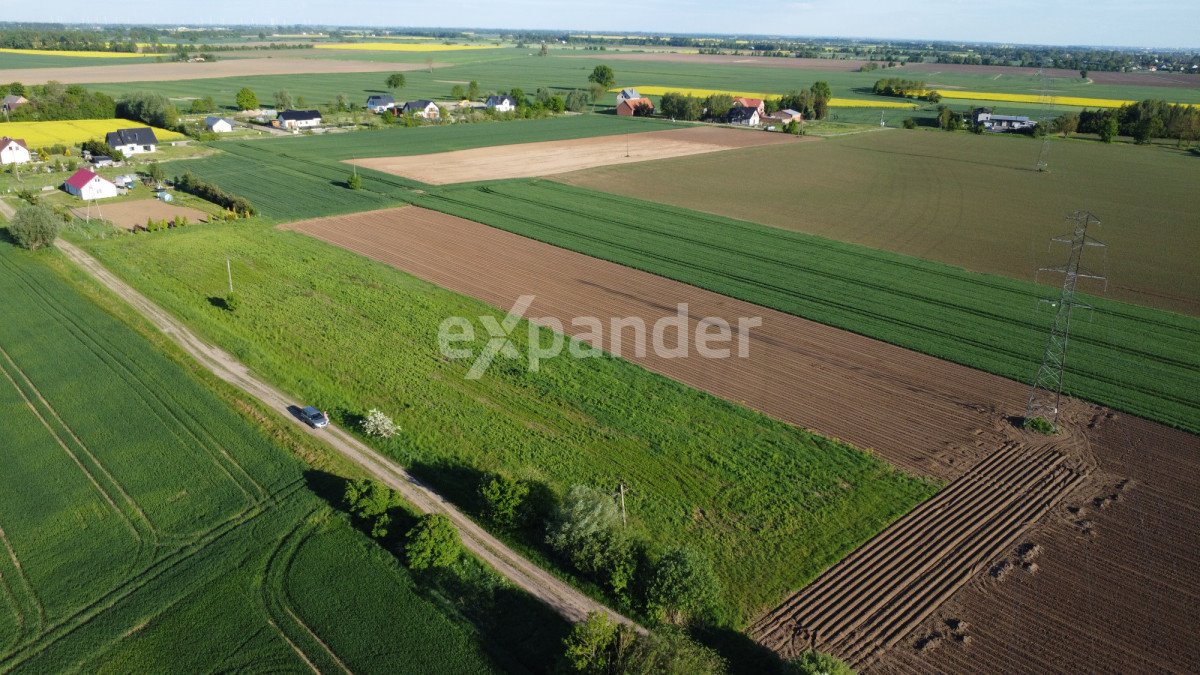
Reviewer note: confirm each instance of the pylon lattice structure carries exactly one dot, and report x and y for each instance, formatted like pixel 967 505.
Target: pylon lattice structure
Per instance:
pixel 1046 394
pixel 1044 101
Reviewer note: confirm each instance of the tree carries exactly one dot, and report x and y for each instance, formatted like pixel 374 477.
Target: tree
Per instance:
pixel 681 107
pixel 603 75
pixel 1066 124
pixel 543 51
pixel 473 90
pixel 354 182
pixel 34 227
pixel 577 100
pixel 1083 74
pixel 376 423
pixel 368 498
pixel 821 89
pixel 283 100
pixel 245 99
pixel 396 81
pixel 153 109
pixel 669 650
pixel 590 644
pixel 17 89
pixel 155 172
pixel 584 513
pixel 1108 128
pixel 342 102
pixel 457 92
pixel 301 103
pixel 203 105
pixel 432 542
pixel 718 105
pixel 597 91
pixel 502 498
pixel 815 663
pixel 683 585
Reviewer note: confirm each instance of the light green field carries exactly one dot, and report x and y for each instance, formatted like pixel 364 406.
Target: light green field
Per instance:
pixel 144 523
pixel 348 334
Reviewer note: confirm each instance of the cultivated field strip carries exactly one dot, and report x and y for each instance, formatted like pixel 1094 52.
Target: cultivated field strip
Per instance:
pixel 875 597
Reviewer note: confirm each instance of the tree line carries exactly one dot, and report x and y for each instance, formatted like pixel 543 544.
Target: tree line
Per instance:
pixel 812 103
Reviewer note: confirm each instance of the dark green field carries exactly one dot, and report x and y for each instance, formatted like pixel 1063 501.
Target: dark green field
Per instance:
pixel 770 504
pixel 143 522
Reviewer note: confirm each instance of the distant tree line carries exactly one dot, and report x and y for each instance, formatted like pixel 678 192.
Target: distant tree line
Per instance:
pixel 895 86
pixel 812 103
pixel 58 101
pixel 1142 121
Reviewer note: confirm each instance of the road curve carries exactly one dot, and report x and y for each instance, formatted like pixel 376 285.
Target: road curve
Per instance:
pixel 567 601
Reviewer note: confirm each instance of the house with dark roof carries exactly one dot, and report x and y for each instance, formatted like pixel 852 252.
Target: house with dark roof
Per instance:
pixel 298 119
pixel 132 141
pixel 501 104
pixel 12 102
pixel 218 125
pixel 381 102
pixel 629 106
pixel 14 151
pixel 423 108
pixel 88 186
pixel 745 116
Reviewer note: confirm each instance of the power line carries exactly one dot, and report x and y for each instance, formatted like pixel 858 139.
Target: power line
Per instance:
pixel 1046 394
pixel 1044 101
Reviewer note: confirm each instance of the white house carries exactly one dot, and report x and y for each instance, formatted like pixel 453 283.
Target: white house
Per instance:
pixel 298 119
pixel 132 141
pixel 501 104
pixel 13 151
pixel 422 108
pixel 218 125
pixel 88 186
pixel 745 115
pixel 380 103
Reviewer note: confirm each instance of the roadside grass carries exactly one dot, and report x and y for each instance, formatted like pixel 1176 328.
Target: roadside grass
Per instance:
pixel 770 504
pixel 1139 360
pixel 148 518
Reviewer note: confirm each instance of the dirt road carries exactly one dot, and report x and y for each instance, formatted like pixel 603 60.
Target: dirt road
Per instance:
pixel 570 603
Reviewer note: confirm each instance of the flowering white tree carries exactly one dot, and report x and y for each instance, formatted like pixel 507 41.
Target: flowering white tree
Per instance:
pixel 379 425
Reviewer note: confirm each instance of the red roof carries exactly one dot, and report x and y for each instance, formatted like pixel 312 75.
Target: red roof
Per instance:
pixel 631 104
pixel 748 102
pixel 80 178
pixel 19 141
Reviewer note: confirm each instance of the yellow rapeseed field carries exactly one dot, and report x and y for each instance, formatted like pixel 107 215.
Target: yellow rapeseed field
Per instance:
pixel 397 47
pixel 1080 101
pixel 833 102
pixel 71 132
pixel 84 55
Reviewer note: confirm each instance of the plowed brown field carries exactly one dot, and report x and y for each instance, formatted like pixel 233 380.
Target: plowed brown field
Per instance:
pixel 552 157
pixel 991 574
pixel 133 213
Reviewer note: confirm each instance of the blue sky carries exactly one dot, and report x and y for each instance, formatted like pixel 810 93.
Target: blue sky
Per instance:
pixel 1151 23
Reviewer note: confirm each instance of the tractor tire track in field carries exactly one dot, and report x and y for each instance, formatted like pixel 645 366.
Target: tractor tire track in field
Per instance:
pixel 567 601
pixel 26 606
pixel 879 594
pixel 153 396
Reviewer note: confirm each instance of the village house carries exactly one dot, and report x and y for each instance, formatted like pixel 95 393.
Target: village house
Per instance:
pixel 379 103
pixel 132 141
pixel 88 186
pixel 14 151
pixel 786 115
pixel 747 116
pixel 218 125
pixel 755 104
pixel 628 94
pixel 11 102
pixel 298 119
pixel 629 106
pixel 501 104
pixel 423 108
pixel 1000 123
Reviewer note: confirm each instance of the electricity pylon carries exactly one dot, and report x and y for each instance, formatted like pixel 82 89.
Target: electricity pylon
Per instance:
pixel 1046 394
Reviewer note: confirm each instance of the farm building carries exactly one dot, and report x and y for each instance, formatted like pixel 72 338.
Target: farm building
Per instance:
pixel 218 125
pixel 629 107
pixel 298 119
pixel 102 160
pixel 132 141
pixel 13 151
pixel 501 103
pixel 423 108
pixel 88 186
pixel 11 102
pixel 628 94
pixel 1001 123
pixel 752 103
pixel 380 102
pixel 745 116
pixel 786 115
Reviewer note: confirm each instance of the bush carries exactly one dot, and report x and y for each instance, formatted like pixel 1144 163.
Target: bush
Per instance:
pixel 502 497
pixel 432 542
pixel 684 585
pixel 190 184
pixel 910 123
pixel 34 227
pixel 354 182
pixel 815 663
pixel 1039 424
pixel 233 301
pixel 378 425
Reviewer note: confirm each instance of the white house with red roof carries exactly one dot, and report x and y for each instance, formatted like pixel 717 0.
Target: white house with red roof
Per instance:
pixel 88 186
pixel 755 103
pixel 14 151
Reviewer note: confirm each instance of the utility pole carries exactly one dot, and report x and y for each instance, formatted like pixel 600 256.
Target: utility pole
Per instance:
pixel 1044 101
pixel 621 496
pixel 1046 394
pixel 229 271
